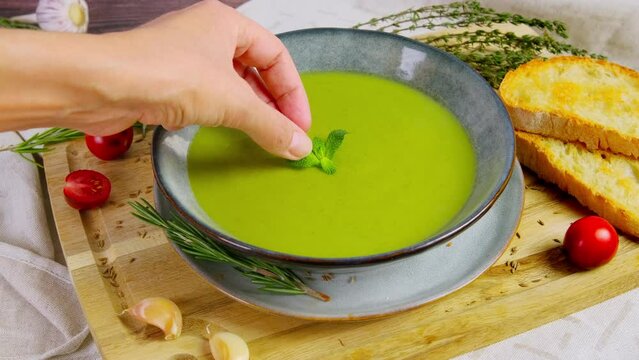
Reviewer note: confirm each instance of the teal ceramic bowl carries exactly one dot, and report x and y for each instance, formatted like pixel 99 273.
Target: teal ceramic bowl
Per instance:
pixel 439 75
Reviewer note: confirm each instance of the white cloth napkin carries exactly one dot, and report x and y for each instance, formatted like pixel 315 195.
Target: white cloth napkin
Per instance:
pixel 40 317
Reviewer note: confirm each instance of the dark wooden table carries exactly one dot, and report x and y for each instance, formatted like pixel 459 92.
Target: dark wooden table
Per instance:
pixel 112 15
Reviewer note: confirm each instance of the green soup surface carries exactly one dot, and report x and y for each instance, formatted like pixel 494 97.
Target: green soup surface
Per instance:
pixel 404 171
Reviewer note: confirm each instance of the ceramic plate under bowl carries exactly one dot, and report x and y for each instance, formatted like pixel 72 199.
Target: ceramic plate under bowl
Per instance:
pixel 395 287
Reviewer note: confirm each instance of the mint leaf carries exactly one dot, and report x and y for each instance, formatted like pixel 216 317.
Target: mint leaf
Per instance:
pixel 327 166
pixel 318 147
pixel 334 141
pixel 322 154
pixel 309 161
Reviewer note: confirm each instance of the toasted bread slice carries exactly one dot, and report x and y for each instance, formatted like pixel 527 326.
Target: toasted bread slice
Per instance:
pixel 605 182
pixel 576 99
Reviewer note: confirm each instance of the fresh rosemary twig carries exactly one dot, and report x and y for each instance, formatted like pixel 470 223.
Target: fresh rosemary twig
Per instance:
pixel 267 276
pixel 491 52
pixel 11 24
pixel 41 141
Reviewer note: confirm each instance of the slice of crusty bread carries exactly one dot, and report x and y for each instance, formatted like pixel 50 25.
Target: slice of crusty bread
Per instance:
pixel 605 182
pixel 576 99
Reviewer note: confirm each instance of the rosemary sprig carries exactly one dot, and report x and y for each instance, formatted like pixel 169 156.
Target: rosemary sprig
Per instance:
pixel 267 276
pixel 11 24
pixel 491 52
pixel 42 141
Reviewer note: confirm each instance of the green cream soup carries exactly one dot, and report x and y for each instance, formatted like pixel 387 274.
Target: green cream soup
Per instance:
pixel 404 170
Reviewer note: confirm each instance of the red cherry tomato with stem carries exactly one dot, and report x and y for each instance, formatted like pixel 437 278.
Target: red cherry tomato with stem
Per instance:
pixel 86 189
pixel 111 146
pixel 591 242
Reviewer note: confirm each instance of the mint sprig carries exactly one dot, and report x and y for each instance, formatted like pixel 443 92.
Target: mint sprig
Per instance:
pixel 323 153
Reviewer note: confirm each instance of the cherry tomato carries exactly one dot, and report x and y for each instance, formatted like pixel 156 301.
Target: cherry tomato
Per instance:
pixel 590 242
pixel 86 189
pixel 111 146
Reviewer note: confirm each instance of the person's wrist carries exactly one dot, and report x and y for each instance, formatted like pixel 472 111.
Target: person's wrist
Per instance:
pixel 112 78
pixel 70 79
pixel 140 80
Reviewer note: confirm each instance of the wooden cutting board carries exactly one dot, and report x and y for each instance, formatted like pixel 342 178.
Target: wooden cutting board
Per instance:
pixel 116 260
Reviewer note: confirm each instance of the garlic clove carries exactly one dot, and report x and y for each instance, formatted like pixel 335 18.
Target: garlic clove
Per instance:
pixel 228 346
pixel 63 15
pixel 77 14
pixel 160 312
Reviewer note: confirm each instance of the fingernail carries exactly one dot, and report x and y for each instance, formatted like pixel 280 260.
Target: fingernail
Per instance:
pixel 301 145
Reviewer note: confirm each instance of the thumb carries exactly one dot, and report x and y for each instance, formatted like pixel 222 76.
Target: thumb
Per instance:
pixel 268 127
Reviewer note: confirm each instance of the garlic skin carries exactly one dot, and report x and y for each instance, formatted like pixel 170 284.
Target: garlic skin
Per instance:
pixel 160 312
pixel 228 346
pixel 59 15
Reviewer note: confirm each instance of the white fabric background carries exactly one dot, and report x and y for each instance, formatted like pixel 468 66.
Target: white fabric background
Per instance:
pixel 40 317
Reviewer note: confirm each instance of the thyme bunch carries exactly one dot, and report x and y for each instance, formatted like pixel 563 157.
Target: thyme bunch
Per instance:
pixel 494 53
pixel 456 15
pixel 269 277
pixel 491 52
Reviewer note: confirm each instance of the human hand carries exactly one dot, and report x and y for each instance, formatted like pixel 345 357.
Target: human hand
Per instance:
pixel 209 65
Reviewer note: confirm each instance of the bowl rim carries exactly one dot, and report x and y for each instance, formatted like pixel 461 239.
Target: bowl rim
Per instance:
pixel 249 249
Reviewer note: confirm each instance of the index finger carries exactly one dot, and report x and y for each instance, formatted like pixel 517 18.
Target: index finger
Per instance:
pixel 257 47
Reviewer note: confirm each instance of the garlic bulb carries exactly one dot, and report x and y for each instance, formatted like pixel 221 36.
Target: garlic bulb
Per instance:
pixel 160 312
pixel 228 346
pixel 59 15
